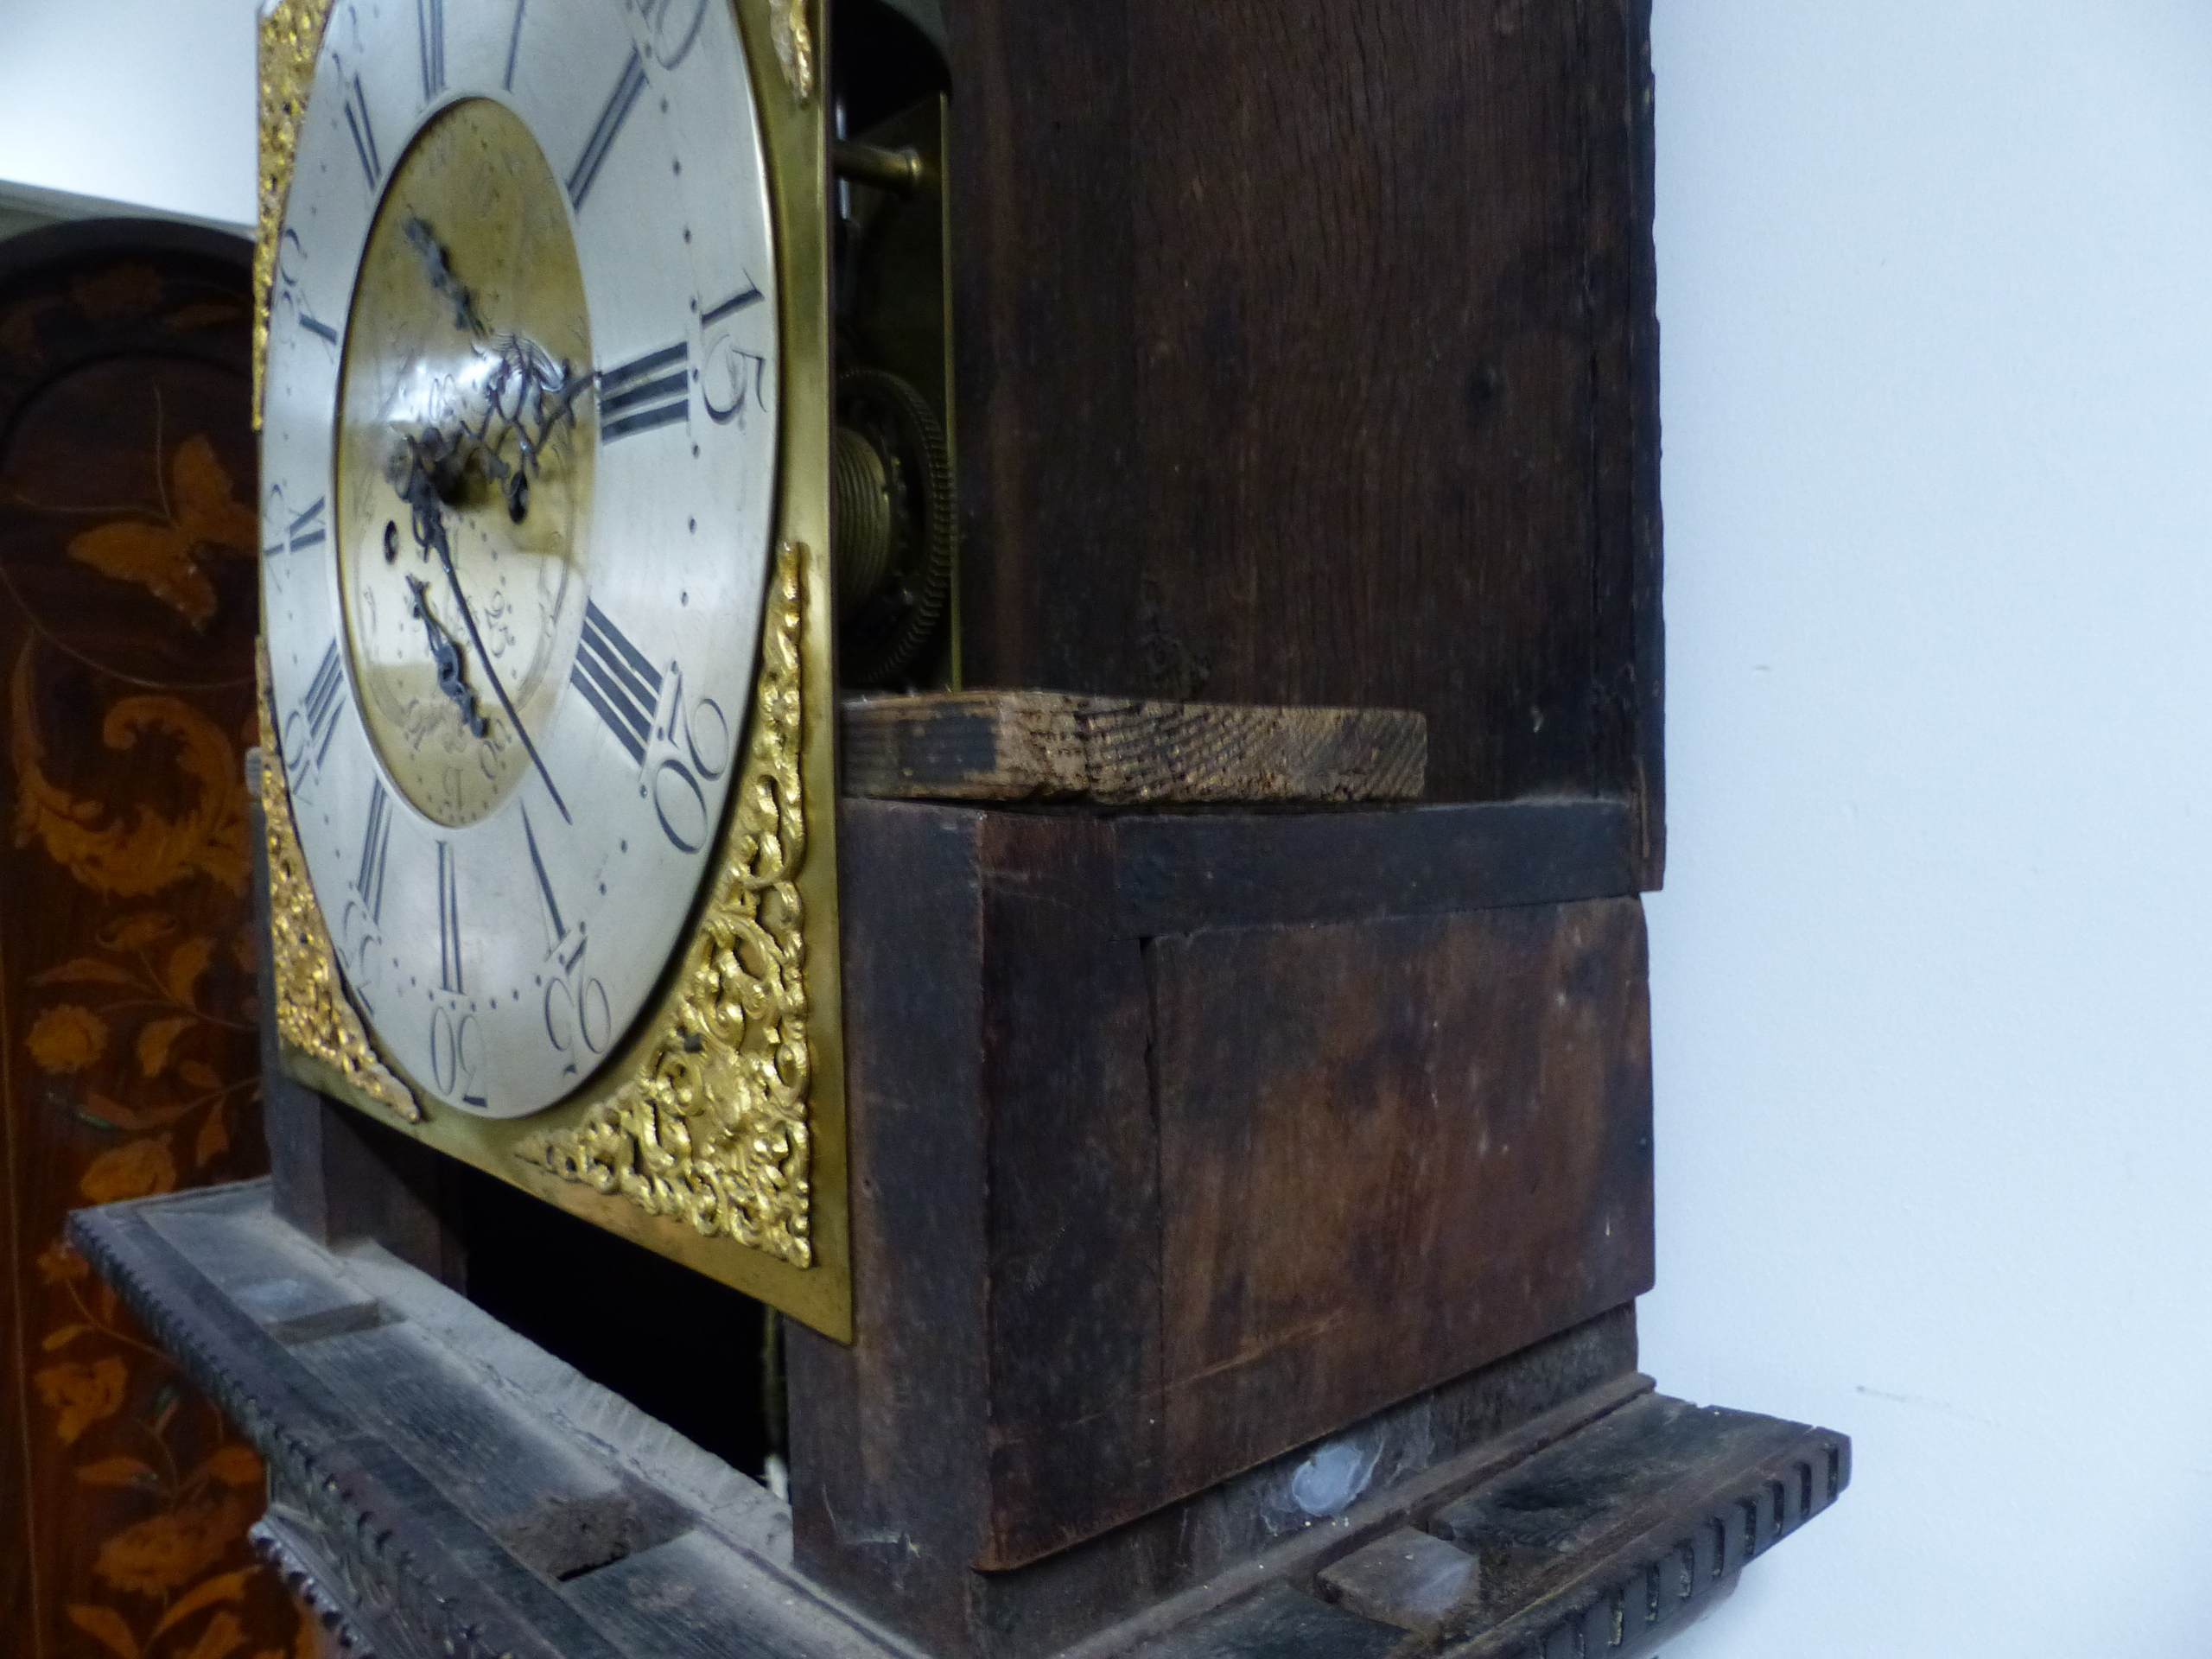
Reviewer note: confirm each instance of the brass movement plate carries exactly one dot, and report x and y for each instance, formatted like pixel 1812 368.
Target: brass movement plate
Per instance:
pixel 716 1136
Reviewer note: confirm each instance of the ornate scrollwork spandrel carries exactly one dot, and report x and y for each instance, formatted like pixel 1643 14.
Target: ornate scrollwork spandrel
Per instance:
pixel 712 1126
pixel 313 1014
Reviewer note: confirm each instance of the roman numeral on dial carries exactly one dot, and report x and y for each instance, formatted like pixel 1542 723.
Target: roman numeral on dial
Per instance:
pixel 365 138
pixel 320 705
pixel 619 103
pixel 376 843
pixel 553 924
pixel 617 680
pixel 645 392
pixel 306 530
pixel 430 30
pixel 448 922
pixel 514 46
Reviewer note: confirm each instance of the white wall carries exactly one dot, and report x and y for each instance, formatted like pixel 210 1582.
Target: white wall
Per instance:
pixel 1933 971
pixel 150 102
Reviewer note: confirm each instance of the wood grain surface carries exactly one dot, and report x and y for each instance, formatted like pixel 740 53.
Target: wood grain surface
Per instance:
pixel 1141 1214
pixel 1306 353
pixel 1053 745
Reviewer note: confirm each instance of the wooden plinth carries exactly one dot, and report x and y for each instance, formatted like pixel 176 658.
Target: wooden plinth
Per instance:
pixel 440 1486
pixel 1164 1166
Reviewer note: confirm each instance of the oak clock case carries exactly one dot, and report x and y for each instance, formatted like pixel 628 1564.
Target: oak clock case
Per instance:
pixel 545 435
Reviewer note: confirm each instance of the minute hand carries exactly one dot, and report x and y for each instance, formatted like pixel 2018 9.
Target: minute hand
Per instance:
pixel 413 481
pixel 468 616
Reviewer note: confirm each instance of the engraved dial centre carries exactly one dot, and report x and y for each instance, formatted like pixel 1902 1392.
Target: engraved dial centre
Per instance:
pixel 465 451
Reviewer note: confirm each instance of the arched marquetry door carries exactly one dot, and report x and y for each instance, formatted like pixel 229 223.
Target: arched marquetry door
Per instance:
pixel 128 1053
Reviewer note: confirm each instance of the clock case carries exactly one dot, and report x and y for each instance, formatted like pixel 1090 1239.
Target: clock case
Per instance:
pixel 1203 1157
pixel 779 826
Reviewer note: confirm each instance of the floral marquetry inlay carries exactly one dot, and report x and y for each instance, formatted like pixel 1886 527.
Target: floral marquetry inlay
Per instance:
pixel 128 962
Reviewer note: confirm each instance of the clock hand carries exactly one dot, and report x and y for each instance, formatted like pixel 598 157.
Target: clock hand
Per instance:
pixel 446 655
pixel 411 478
pixel 438 271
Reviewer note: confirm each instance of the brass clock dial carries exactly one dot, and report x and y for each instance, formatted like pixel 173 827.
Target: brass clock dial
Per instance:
pixel 520 468
pixel 466 435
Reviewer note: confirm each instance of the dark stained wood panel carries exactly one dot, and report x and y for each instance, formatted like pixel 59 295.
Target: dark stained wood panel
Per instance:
pixel 1075 1189
pixel 1133 1215
pixel 1249 869
pixel 1306 354
pixel 1393 1152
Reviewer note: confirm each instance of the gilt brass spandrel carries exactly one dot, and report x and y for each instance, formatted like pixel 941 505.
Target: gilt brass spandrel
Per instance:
pixel 713 1128
pixel 290 36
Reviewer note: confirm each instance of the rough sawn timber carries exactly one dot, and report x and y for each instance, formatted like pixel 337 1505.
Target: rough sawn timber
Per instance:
pixel 1053 745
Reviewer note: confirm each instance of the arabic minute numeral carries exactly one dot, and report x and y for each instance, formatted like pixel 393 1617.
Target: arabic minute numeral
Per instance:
pixel 289 293
pixel 679 800
pixel 731 376
pixel 456 1055
pixel 579 1022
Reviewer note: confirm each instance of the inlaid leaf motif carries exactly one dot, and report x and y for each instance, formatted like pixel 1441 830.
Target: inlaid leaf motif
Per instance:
pixel 186 965
pixel 222 1637
pixel 106 1626
pixel 118 1471
pixel 234 1464
pixel 138 931
pixel 129 1172
pixel 224 1587
pixel 213 1139
pixel 86 970
pixel 155 1038
pixel 59 1265
pixel 132 1035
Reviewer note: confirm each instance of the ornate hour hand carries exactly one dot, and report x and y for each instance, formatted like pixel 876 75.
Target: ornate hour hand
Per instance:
pixel 447 656
pixel 417 471
pixel 437 270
